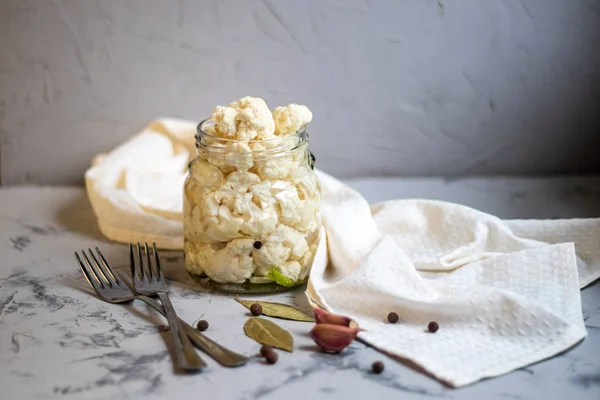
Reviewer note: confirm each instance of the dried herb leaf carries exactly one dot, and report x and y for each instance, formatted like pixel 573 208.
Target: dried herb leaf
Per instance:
pixel 267 332
pixel 278 310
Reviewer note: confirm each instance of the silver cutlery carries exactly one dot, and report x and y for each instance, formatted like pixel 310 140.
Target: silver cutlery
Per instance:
pixel 107 283
pixel 148 280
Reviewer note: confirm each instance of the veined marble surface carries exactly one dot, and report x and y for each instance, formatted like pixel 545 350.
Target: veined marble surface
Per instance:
pixel 57 340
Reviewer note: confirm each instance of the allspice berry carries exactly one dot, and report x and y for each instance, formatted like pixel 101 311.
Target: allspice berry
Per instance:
pixel 392 318
pixel 377 367
pixel 433 327
pixel 256 309
pixel 265 349
pixel 202 325
pixel 271 357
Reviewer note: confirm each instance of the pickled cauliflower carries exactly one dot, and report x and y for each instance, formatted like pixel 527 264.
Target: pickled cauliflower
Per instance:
pixel 219 222
pixel 251 205
pixel 233 263
pixel 248 118
pixel 237 184
pixel 289 119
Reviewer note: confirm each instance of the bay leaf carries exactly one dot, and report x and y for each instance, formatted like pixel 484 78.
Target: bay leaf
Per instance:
pixel 267 332
pixel 278 310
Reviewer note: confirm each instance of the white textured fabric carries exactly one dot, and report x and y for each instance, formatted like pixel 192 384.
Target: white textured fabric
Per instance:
pixel 505 293
pixel 136 190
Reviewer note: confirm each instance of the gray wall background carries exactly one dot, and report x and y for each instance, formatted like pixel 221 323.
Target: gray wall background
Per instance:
pixel 413 87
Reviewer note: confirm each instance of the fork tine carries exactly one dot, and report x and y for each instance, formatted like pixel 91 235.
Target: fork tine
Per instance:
pixel 89 274
pixel 158 268
pixel 107 268
pixel 99 269
pixel 94 268
pixel 134 272
pixel 148 263
pixel 142 271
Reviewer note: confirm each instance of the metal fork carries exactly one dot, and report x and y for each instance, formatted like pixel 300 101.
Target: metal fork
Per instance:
pixel 149 281
pixel 109 285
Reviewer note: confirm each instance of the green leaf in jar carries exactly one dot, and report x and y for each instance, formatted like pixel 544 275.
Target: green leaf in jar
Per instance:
pixel 269 333
pixel 280 278
pixel 278 310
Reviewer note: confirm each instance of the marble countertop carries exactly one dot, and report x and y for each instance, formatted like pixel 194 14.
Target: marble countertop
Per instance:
pixel 57 340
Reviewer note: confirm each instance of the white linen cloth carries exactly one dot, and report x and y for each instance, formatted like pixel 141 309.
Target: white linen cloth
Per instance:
pixel 505 293
pixel 136 190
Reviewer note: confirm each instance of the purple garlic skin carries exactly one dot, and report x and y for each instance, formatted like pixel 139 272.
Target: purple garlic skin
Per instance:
pixel 324 317
pixel 333 338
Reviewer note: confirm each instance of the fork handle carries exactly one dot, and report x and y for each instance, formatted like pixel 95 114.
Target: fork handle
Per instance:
pixel 186 356
pixel 222 355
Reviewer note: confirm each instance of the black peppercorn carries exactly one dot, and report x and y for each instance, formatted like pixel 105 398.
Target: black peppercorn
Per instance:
pixel 256 309
pixel 265 349
pixel 392 318
pixel 271 357
pixel 202 325
pixel 257 245
pixel 433 327
pixel 377 367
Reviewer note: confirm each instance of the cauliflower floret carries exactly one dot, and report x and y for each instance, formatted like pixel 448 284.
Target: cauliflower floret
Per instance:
pixel 199 255
pixel 240 160
pixel 239 155
pixel 248 118
pixel 248 200
pixel 306 182
pixel 293 239
pixel 289 119
pixel 275 168
pixel 286 197
pixel 188 205
pixel 291 270
pixel 284 244
pixel 273 253
pixel 206 175
pixel 313 235
pixel 225 121
pixel 192 264
pixel 219 222
pixel 261 193
pixel 193 192
pixel 233 263
pixel 307 261
pixel 300 214
pixel 222 163
pixel 305 216
pixel 257 221
pixel 241 203
pixel 193 227
pixel 236 184
pixel 255 118
pixel 223 227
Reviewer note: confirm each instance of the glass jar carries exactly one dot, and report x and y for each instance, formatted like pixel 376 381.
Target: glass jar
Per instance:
pixel 251 212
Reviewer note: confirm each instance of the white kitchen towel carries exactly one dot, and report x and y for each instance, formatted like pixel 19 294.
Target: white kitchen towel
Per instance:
pixel 505 293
